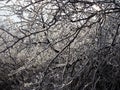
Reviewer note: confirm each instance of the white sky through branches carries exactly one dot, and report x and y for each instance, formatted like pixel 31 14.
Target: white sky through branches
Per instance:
pixel 5 13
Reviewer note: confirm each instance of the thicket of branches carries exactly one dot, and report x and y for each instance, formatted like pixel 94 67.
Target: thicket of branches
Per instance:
pixel 60 45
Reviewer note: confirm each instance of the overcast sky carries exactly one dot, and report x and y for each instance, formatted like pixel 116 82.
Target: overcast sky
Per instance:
pixel 5 14
pixel 4 11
